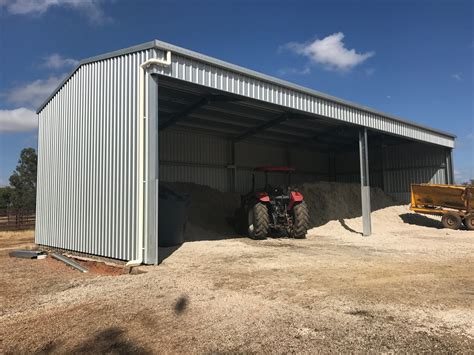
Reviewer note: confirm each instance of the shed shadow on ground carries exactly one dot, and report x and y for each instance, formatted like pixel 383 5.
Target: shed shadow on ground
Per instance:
pixel 196 234
pixel 166 252
pixel 420 220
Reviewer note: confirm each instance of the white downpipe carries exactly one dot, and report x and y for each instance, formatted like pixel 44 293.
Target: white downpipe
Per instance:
pixel 141 159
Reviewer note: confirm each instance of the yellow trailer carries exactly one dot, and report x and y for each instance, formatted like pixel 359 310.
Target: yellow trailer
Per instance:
pixel 454 203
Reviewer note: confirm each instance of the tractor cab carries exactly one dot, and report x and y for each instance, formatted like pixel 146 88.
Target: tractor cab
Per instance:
pixel 273 170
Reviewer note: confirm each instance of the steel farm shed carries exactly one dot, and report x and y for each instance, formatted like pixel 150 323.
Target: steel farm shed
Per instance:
pixel 123 121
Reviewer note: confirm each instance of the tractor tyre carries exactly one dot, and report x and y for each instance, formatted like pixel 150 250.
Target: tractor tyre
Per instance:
pixel 300 221
pixel 469 222
pixel 258 221
pixel 451 220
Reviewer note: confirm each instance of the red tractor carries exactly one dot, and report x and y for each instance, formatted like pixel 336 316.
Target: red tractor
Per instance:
pixel 278 209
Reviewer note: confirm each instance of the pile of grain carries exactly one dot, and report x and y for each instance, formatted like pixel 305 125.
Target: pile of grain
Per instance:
pixel 210 212
pixel 329 201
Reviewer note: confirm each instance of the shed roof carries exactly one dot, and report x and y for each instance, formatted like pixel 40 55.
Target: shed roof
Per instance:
pixel 253 75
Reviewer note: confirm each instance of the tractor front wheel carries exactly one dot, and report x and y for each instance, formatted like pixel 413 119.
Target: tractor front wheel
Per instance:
pixel 258 221
pixel 300 221
pixel 451 220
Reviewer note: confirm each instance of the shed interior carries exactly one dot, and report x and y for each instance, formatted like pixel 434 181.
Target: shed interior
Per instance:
pixel 214 138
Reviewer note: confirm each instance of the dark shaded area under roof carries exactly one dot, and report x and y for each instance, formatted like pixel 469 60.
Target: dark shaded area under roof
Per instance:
pixel 189 106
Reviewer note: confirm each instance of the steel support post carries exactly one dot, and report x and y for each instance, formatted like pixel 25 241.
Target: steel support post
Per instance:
pixel 449 167
pixel 364 181
pixel 152 171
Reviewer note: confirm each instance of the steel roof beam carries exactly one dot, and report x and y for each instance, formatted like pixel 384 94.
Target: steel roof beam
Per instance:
pixel 174 118
pixel 229 110
pixel 333 134
pixel 178 116
pixel 254 130
pixel 328 138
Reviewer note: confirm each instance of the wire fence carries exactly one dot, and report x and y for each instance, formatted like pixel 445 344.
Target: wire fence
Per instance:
pixel 16 219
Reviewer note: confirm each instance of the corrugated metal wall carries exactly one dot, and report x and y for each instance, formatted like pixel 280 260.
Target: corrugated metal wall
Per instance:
pixel 204 159
pixel 412 163
pixel 394 168
pixel 251 154
pixel 221 78
pixel 347 167
pixel 87 165
pixel 197 158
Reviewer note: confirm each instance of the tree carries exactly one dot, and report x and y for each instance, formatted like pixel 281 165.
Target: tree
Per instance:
pixel 23 181
pixel 5 197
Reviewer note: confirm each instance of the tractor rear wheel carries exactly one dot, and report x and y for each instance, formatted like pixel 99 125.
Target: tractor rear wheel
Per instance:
pixel 300 221
pixel 451 220
pixel 258 221
pixel 469 222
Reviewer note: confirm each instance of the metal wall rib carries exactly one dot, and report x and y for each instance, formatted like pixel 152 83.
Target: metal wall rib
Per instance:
pixel 87 163
pixel 201 73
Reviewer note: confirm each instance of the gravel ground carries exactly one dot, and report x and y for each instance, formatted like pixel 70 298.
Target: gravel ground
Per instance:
pixel 407 288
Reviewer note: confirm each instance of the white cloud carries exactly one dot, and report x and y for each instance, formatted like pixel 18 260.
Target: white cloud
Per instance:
pixel 56 61
pixel 330 52
pixel 33 94
pixel 389 97
pixel 456 76
pixel 18 120
pixel 91 8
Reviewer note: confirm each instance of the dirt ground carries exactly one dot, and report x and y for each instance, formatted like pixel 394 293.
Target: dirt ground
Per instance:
pixel 407 288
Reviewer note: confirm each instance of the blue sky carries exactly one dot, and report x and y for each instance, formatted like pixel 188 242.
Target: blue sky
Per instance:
pixel 412 58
